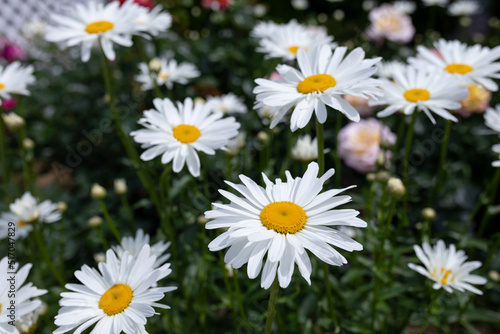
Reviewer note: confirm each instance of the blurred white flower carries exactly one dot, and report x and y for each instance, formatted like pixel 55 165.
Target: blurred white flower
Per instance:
pixel 300 4
pixel 405 7
pixel 477 101
pixel 97 191
pixel 440 3
pixel 169 72
pixel 496 149
pixel 236 144
pixel 464 8
pixel 27 323
pixel 14 79
pixel 306 149
pixel 134 245
pixel 385 69
pixel 492 118
pixel 22 228
pixel 447 267
pixel 388 22
pixel 34 30
pixel 120 186
pixel 13 121
pixel 152 21
pixel 28 210
pixel 228 104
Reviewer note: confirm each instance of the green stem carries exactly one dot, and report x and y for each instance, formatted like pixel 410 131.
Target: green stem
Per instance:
pixel 45 254
pixel 101 237
pixel 401 129
pixel 238 295
pixel 321 147
pixel 442 161
pixel 491 195
pixel 272 306
pixel 406 162
pixel 26 166
pixel 110 221
pixel 62 240
pixel 228 289
pixel 336 155
pixel 3 150
pixel 430 310
pixel 128 212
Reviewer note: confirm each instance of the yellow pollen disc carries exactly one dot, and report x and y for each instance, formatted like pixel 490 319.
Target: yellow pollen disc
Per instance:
pixel 283 217
pixel 186 133
pixel 163 76
pixel 293 49
pixel 2 86
pixel 316 83
pixel 21 224
pixel 99 26
pixel 446 277
pixel 116 299
pixel 459 68
pixel 417 94
pixel 0 308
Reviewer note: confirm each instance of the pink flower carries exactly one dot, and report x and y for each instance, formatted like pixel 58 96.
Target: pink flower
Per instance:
pixel 216 5
pixel 8 104
pixel 359 143
pixel 390 23
pixel 10 51
pixel 360 104
pixel 143 3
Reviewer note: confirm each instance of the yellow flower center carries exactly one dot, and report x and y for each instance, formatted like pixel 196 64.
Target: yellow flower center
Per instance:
pixel 186 133
pixel 293 49
pixel 283 217
pixel 446 277
pixel 316 83
pixel 99 26
pixel 2 86
pixel 459 68
pixel 163 76
pixel 21 224
pixel 116 299
pixel 417 94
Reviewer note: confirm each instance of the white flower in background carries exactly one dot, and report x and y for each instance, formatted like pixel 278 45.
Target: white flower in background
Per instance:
pixel 492 118
pixel 440 3
pixel 133 246
pixel 464 8
pixel 13 121
pixel 263 29
pixel 28 210
pixel 405 7
pixel 389 22
pixel 306 149
pixel 236 144
pixel 469 63
pixel 27 323
pixel 119 297
pixel 169 72
pixel 96 23
pixel 477 102
pixel 284 40
pixel 420 89
pixel 496 149
pixel 34 30
pixel 385 69
pixel 178 132
pixel 23 294
pixel 152 21
pixel 22 228
pixel 300 4
pixel 321 81
pixel 447 267
pixel 284 220
pixel 359 144
pixel 228 104
pixel 120 186
pixel 14 79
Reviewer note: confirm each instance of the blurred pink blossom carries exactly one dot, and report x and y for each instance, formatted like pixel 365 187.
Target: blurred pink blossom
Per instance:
pixel 10 51
pixel 8 104
pixel 143 3
pixel 360 104
pixel 275 76
pixel 216 5
pixel 359 143
pixel 389 23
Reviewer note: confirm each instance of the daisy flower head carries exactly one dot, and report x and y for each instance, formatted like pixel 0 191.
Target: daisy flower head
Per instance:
pixel 24 294
pixel 283 220
pixel 6 221
pixel 119 297
pixel 306 149
pixel 492 118
pixel 496 149
pixel 390 22
pixel 28 210
pixel 152 21
pixel 263 29
pixel 284 40
pixel 323 77
pixel 464 8
pixel 14 79
pixel 385 69
pixel 447 267
pixel 424 90
pixel 177 132
pixel 169 72
pixel 228 104
pixel 96 23
pixel 133 246
pixel 469 63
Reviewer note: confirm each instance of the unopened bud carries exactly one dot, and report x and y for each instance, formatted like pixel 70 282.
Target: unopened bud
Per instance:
pixel 155 65
pixel 428 213
pixel 370 177
pixel 28 144
pixel 395 187
pixel 62 206
pixel 383 176
pixel 100 257
pixel 120 187
pixel 381 159
pixel 199 100
pixel 202 220
pixel 95 221
pixel 263 136
pixel 13 121
pixel 43 309
pixel 97 192
pixel 494 275
pixel 230 270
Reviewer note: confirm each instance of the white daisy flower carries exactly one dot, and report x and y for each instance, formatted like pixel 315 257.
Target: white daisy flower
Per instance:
pixel 469 63
pixel 133 246
pixel 264 29
pixel 416 88
pixel 496 149
pixel 492 118
pixel 464 8
pixel 23 299
pixel 284 40
pixel 14 79
pixel 170 72
pixel 385 69
pixel 178 132
pixel 28 210
pixel 306 149
pixel 321 81
pixel 405 7
pixel 96 23
pixel 228 104
pixel 152 21
pixel 22 228
pixel 28 323
pixel 447 267
pixel 440 3
pixel 283 220
pixel 119 297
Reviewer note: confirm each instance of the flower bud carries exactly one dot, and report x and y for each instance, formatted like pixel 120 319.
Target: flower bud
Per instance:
pixel 263 136
pixel 383 176
pixel 120 187
pixel 97 192
pixel 100 257
pixel 202 220
pixel 62 206
pixel 95 221
pixel 199 100
pixel 494 275
pixel 395 187
pixel 28 144
pixel 381 159
pixel 230 270
pixel 13 121
pixel 428 213
pixel 370 177
pixel 154 65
